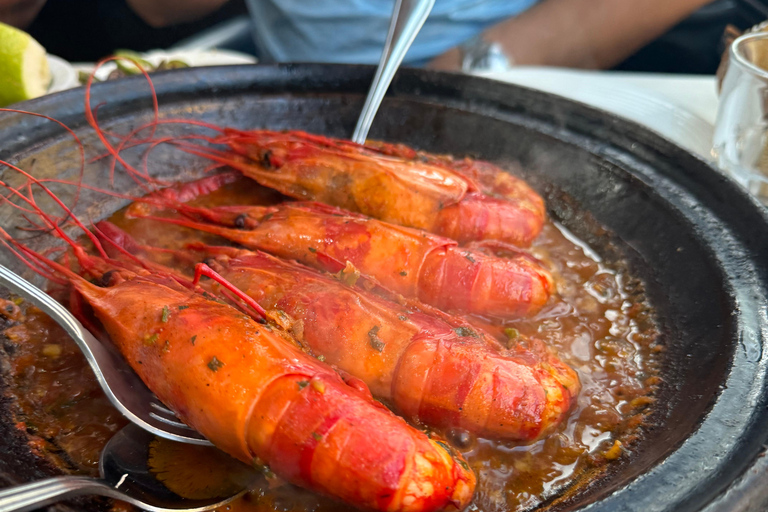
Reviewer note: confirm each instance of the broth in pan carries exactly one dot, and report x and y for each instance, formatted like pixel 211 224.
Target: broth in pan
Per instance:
pixel 599 323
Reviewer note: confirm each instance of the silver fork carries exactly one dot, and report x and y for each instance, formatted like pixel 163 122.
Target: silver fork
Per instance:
pixel 408 16
pixel 120 383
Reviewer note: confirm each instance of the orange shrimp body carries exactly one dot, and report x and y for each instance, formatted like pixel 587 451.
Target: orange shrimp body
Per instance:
pixel 419 193
pixel 484 176
pixel 436 371
pixel 254 394
pixel 413 263
pixel 247 386
pixel 487 212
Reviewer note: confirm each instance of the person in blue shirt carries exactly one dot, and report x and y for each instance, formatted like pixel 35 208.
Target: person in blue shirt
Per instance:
pixel 572 33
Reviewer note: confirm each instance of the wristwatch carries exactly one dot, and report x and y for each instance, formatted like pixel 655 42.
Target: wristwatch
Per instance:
pixel 477 54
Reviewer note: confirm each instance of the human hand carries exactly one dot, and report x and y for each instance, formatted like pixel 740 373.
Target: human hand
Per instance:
pixel 447 61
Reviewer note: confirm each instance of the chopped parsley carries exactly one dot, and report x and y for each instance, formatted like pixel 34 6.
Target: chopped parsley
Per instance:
pixel 181 308
pixel 465 332
pixel 469 257
pixel 403 273
pixel 312 250
pixel 150 340
pixel 193 338
pixel 303 383
pixel 374 340
pixel 317 436
pixel 402 317
pixel 166 314
pixel 444 447
pixel 349 275
pixel 214 364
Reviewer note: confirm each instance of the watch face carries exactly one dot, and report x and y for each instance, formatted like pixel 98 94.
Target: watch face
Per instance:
pixel 480 55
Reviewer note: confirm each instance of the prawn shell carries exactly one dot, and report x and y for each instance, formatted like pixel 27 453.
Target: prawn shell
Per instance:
pixel 390 189
pixel 430 370
pixel 249 390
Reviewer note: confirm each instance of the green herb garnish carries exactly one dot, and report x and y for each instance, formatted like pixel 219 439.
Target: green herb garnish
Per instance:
pixel 166 314
pixel 445 447
pixel 465 332
pixel 375 341
pixel 214 364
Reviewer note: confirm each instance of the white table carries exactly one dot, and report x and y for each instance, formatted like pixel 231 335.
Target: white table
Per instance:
pixel 682 108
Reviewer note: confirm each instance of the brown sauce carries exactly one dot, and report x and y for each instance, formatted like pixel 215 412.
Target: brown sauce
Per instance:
pixel 599 323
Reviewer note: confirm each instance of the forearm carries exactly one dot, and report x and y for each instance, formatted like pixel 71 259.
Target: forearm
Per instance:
pixel 582 33
pixel 588 33
pixel 161 13
pixel 20 13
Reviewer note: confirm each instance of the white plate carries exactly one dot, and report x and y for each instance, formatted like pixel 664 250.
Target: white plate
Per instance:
pixel 612 93
pixel 63 75
pixel 194 58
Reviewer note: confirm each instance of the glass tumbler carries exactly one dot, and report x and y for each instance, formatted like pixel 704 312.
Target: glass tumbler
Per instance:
pixel 741 131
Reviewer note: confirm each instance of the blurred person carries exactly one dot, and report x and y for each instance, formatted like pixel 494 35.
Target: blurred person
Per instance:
pixel 87 30
pixel 467 33
pixel 696 44
pixel 459 34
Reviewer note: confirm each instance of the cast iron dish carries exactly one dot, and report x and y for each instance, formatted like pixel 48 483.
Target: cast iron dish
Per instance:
pixel 696 239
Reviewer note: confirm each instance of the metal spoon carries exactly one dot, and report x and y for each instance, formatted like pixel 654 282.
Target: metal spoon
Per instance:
pixel 408 17
pixel 125 476
pixel 120 383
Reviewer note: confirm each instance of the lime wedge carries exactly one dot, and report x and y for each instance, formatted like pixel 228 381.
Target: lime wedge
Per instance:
pixel 24 72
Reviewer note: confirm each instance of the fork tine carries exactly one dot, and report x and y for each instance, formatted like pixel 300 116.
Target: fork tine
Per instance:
pixel 162 408
pixel 170 422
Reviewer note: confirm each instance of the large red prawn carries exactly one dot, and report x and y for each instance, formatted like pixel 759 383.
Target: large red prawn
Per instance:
pixel 460 199
pixel 411 262
pixel 434 368
pixel 248 387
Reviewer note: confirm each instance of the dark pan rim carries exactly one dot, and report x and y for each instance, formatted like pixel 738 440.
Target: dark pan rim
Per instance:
pixel 700 474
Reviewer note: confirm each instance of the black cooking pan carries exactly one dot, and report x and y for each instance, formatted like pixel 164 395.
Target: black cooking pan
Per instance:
pixel 698 241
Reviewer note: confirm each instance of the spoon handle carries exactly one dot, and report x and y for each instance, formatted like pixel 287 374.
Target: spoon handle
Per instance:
pixel 45 492
pixel 408 17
